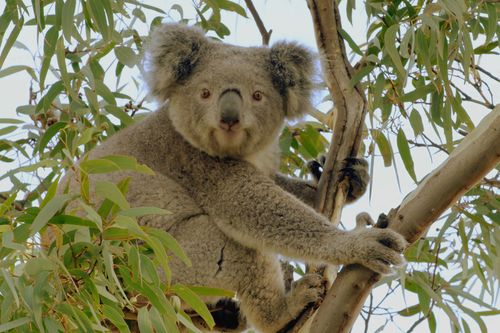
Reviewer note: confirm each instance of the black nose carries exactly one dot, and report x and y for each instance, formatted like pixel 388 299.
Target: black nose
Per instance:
pixel 230 104
pixel 229 121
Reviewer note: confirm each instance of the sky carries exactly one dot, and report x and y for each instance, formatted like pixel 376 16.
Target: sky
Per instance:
pixel 289 20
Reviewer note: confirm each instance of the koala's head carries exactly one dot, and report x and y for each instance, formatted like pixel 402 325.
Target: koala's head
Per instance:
pixel 227 100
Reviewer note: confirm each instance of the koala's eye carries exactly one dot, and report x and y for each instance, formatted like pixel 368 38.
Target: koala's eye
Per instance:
pixel 257 95
pixel 205 93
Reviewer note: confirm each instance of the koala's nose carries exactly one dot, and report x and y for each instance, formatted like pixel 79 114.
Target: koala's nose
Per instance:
pixel 230 104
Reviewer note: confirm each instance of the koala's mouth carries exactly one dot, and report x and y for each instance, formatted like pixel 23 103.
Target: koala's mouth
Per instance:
pixel 229 142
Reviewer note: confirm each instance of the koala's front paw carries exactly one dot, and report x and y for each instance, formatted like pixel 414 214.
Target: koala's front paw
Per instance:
pixel 378 249
pixel 357 171
pixel 307 290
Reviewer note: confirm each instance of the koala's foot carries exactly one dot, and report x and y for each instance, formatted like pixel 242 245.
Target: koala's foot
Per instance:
pixel 227 316
pixel 378 249
pixel 269 309
pixel 356 169
pixel 306 291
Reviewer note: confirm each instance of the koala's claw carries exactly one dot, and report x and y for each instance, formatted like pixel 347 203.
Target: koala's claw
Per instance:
pixel 356 169
pixel 316 169
pixel 379 249
pixel 309 289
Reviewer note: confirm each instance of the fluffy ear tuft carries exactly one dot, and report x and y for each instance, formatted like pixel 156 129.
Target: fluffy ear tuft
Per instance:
pixel 291 67
pixel 171 56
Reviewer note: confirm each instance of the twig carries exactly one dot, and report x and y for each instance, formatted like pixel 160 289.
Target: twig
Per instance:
pixel 369 313
pixel 466 97
pixel 482 70
pixel 418 322
pixel 266 35
pixel 18 205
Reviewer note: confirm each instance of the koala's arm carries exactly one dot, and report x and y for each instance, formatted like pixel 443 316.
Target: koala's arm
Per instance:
pixel 305 190
pixel 250 208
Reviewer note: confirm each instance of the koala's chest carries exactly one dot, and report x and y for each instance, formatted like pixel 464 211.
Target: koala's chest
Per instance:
pixel 267 160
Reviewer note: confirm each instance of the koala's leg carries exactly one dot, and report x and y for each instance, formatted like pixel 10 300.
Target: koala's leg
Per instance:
pixel 261 291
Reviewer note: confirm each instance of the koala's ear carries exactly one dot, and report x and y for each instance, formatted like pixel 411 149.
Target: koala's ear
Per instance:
pixel 291 66
pixel 172 53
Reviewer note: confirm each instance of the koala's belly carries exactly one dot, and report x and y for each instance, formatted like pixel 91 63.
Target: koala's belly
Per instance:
pixel 202 241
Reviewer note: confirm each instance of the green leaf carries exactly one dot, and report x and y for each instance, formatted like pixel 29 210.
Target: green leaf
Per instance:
pixel 68 18
pixel 410 311
pixel 11 40
pixel 46 102
pixel 141 211
pixel 10 121
pixel 131 225
pixel 116 317
pixel 126 56
pixel 36 265
pixel 431 321
pixel 61 62
pixel 73 220
pixel 10 283
pixel 50 209
pixel 169 242
pixel 416 122
pixel 102 90
pixel 52 131
pixel 352 44
pixel 14 324
pixel 418 93
pixel 114 163
pixel 195 303
pixel 109 266
pixel 232 7
pixel 160 324
pixel 110 191
pixel 144 321
pixel 187 322
pixel 384 146
pixel 39 15
pixel 404 151
pixel 49 47
pixel 18 68
pixel 6 130
pixel 159 301
pixel 97 12
pixel 120 114
pixel 491 28
pixel 390 46
pixel 207 291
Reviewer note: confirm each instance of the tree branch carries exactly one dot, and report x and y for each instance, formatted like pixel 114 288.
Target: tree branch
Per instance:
pixel 475 156
pixel 350 110
pixel 266 35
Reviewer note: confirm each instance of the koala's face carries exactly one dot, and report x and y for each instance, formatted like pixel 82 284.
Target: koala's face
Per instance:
pixel 227 100
pixel 228 106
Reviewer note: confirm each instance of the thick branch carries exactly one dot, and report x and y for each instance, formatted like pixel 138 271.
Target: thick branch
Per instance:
pixel 349 102
pixel 350 110
pixel 478 153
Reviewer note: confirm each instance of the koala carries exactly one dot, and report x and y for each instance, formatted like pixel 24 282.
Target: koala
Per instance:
pixel 213 144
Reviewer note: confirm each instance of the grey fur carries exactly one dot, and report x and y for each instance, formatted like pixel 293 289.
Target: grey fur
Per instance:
pixel 230 211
